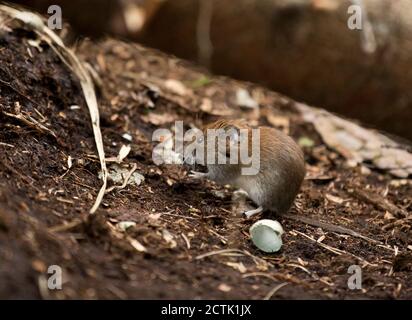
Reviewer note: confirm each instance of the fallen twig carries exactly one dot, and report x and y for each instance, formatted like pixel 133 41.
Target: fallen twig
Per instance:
pixel 277 277
pixel 312 274
pixel 333 249
pixel 334 228
pixel 31 122
pixel 379 202
pixel 135 244
pixel 66 227
pixel 396 223
pixel 6 145
pixel 217 252
pixel 258 261
pixel 274 290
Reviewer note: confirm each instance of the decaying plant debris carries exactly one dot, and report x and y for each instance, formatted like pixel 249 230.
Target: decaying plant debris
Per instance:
pixel 166 235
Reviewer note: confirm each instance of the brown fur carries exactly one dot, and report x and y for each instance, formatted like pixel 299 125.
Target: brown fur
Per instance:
pixel 282 168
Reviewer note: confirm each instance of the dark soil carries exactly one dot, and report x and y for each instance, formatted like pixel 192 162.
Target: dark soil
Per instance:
pixel 41 197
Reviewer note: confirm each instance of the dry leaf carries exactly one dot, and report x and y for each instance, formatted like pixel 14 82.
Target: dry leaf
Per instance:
pixel 158 119
pixel 176 87
pixel 206 105
pixel 169 238
pixel 216 109
pixel 358 144
pixel 334 199
pixel 137 245
pixel 153 217
pixel 244 99
pixel 388 216
pixel 117 174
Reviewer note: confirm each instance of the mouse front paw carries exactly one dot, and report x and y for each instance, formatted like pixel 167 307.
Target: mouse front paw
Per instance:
pixel 197 175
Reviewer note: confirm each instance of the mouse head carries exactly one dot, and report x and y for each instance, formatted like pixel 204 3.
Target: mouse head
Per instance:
pixel 220 142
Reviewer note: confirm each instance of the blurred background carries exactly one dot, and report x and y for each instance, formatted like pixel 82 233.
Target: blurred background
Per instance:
pixel 301 48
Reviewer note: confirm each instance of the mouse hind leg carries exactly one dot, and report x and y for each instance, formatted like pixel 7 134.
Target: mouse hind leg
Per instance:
pixel 254 191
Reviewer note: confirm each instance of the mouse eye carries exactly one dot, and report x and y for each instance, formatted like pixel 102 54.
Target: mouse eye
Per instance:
pixel 200 139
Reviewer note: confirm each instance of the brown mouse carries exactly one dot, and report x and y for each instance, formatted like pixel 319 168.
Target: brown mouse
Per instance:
pixel 281 165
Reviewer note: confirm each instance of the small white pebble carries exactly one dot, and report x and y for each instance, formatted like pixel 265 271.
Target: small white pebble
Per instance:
pixel 128 137
pixel 69 162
